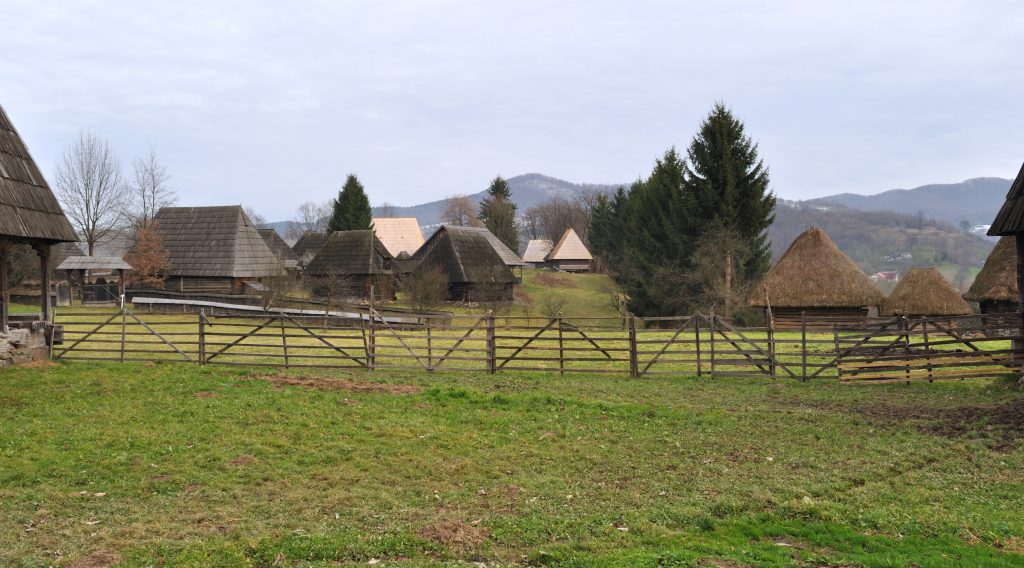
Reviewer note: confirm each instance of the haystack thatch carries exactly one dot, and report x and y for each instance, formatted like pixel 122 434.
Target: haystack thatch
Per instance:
pixel 924 292
pixel 399 234
pixel 214 242
pixel 997 280
pixel 28 209
pixel 537 251
pixel 570 247
pixel 814 273
pixel 281 250
pixel 1010 219
pixel 308 245
pixel 354 253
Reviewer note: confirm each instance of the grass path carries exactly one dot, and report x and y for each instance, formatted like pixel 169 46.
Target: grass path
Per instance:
pixel 190 466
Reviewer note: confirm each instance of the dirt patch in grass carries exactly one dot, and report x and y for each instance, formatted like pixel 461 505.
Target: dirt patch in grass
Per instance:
pixel 553 280
pixel 98 559
pixel 39 364
pixel 456 535
pixel 722 563
pixel 205 394
pixel 243 460
pixel 329 384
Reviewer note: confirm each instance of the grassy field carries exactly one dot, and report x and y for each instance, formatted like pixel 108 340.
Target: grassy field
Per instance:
pixel 179 465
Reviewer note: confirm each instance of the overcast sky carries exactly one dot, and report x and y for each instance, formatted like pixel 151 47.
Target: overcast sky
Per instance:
pixel 272 103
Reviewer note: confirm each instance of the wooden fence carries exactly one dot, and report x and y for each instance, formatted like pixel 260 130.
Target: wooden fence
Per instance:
pixel 700 345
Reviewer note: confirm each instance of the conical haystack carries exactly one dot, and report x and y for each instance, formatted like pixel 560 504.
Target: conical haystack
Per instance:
pixel 997 282
pixel 925 292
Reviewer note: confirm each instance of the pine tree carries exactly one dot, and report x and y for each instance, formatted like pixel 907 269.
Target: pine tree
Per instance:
pixel 726 187
pixel 351 209
pixel 498 213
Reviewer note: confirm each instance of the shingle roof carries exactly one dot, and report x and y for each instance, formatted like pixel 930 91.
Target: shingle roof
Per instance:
pixel 281 250
pixel 308 245
pixel 507 256
pixel 94 263
pixel 570 247
pixel 537 250
pixel 28 209
pixel 399 234
pixel 1010 219
pixel 214 242
pixel 466 256
pixel 358 253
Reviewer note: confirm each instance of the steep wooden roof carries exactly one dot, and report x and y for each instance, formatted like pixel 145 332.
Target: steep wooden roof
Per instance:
pixel 281 250
pixel 570 247
pixel 357 253
pixel 997 280
pixel 28 209
pixel 537 250
pixel 924 292
pixel 466 255
pixel 1010 219
pixel 308 245
pixel 214 242
pixel 814 273
pixel 399 234
pixel 94 263
pixel 506 254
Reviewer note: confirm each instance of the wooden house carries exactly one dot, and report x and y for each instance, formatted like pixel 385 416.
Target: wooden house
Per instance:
pixel 570 254
pixel 284 253
pixel 995 286
pixel 475 270
pixel 924 292
pixel 399 234
pixel 349 264
pixel 213 250
pixel 29 215
pixel 507 255
pixel 536 254
pixel 814 279
pixel 308 245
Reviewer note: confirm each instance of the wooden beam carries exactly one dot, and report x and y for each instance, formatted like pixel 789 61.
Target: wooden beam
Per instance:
pixel 5 296
pixel 43 250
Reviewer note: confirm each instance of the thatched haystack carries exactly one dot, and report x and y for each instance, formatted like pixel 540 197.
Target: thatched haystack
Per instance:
pixel 570 254
pixel 816 279
pixel 924 292
pixel 475 270
pixel 995 287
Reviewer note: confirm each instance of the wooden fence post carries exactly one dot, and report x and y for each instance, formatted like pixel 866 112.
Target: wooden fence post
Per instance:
pixel 634 364
pixel 904 324
pixel 771 348
pixel 371 345
pixel 927 350
pixel 803 346
pixel 202 336
pixel 711 321
pixel 561 347
pixel 430 347
pixel 124 327
pixel 696 327
pixel 284 341
pixel 492 365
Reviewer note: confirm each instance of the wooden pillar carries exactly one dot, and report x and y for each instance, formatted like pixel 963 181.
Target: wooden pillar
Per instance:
pixel 5 297
pixel 1018 343
pixel 120 282
pixel 43 250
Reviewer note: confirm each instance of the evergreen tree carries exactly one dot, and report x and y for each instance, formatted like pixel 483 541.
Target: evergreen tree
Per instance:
pixel 726 187
pixel 498 213
pixel 351 209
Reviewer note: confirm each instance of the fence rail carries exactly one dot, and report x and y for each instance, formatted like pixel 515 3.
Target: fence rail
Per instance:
pixel 880 350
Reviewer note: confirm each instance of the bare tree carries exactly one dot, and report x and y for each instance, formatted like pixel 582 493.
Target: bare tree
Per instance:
pixel 550 219
pixel 91 189
pixel 425 288
pixel 459 210
pixel 386 209
pixel 150 189
pixel 310 216
pixel 258 221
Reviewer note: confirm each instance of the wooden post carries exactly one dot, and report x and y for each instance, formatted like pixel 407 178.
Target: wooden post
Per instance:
pixel 492 365
pixel 1018 344
pixel 927 350
pixel 124 329
pixel 561 347
pixel 634 364
pixel 696 328
pixel 771 349
pixel 711 320
pixel 284 342
pixel 430 347
pixel 202 336
pixel 5 296
pixel 371 347
pixel 803 346
pixel 44 270
pixel 906 345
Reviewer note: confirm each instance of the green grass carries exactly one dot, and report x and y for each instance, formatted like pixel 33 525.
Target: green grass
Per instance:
pixel 180 465
pixel 24 309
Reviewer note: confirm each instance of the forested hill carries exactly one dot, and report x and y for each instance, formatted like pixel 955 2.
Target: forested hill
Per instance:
pixel 884 240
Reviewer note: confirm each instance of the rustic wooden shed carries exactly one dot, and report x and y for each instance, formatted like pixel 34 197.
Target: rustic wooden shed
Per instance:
pixel 475 270
pixel 536 254
pixel 29 214
pixel 78 270
pixel 308 245
pixel 924 292
pixel 570 254
pixel 399 234
pixel 995 286
pixel 213 250
pixel 353 261
pixel 814 278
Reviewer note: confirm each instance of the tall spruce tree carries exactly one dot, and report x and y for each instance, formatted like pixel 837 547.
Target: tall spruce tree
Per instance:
pixel 726 188
pixel 351 209
pixel 498 213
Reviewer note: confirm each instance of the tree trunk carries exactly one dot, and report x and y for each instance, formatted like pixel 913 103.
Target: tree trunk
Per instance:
pixel 728 284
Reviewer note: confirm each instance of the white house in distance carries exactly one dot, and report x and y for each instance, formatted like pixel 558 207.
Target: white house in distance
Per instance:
pixel 399 234
pixel 570 254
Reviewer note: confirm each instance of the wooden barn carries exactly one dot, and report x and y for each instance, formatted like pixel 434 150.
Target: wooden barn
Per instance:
pixel 308 245
pixel 924 292
pixel 349 264
pixel 284 253
pixel 213 250
pixel 475 270
pixel 995 286
pixel 814 278
pixel 399 234
pixel 29 215
pixel 536 254
pixel 570 254
pixel 508 256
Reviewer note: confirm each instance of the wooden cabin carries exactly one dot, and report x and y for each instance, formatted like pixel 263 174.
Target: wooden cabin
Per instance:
pixel 995 286
pixel 399 234
pixel 213 250
pixel 475 270
pixel 570 254
pixel 29 215
pixel 814 279
pixel 507 255
pixel 308 245
pixel 349 264
pixel 284 253
pixel 536 254
pixel 924 292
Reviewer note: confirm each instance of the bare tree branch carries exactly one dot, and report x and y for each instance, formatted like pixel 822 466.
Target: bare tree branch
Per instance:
pixel 91 189
pixel 149 188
